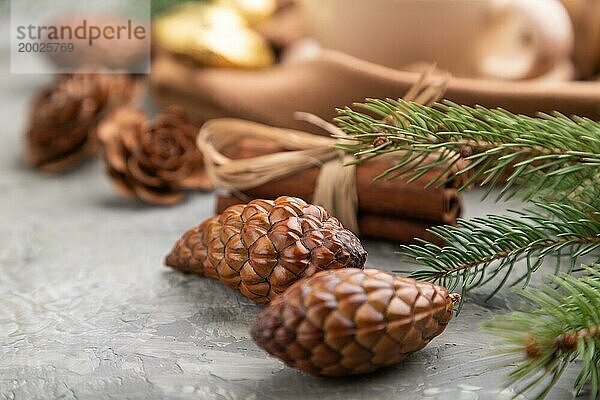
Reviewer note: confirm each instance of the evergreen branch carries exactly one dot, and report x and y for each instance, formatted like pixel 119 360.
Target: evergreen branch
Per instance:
pixel 479 250
pixel 560 325
pixel 498 146
pixel 569 188
pixel 552 158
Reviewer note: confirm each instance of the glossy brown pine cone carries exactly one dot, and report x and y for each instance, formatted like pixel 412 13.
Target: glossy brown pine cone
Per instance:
pixel 64 118
pixel 352 321
pixel 265 246
pixel 154 161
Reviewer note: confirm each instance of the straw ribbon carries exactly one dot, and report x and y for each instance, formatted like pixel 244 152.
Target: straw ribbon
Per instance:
pixel 336 184
pixel 336 191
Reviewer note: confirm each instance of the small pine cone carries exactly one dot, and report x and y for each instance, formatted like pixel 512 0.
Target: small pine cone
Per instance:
pixel 154 161
pixel 265 246
pixel 64 118
pixel 352 321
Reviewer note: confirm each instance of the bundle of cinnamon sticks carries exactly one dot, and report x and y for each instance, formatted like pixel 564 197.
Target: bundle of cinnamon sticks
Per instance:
pixel 387 209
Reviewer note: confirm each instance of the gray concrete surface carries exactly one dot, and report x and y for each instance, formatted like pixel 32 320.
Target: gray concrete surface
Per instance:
pixel 87 311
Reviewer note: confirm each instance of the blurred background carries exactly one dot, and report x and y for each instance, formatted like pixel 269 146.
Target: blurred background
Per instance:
pixel 84 299
pixel 233 57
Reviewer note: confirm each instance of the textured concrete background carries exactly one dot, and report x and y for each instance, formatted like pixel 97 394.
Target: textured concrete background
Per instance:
pixel 88 311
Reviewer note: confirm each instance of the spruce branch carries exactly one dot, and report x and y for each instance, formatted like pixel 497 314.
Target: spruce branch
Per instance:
pixel 561 325
pixel 481 249
pixel 502 149
pixel 551 160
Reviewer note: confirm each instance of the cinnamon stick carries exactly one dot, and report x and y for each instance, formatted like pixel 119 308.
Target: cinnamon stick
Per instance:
pixel 387 197
pixel 372 225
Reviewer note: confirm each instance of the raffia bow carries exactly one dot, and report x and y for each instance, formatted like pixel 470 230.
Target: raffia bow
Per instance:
pixel 336 186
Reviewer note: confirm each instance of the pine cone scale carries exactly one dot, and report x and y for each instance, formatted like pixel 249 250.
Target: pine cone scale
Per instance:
pixel 350 321
pixel 265 246
pixel 157 196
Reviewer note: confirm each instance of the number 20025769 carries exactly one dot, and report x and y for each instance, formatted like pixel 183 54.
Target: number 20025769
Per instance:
pixel 46 47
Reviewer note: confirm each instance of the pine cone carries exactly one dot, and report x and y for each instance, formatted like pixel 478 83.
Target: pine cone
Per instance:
pixel 352 321
pixel 154 161
pixel 64 118
pixel 263 247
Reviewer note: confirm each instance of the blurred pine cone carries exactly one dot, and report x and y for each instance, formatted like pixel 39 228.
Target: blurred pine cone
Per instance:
pixel 352 321
pixel 154 161
pixel 263 247
pixel 64 118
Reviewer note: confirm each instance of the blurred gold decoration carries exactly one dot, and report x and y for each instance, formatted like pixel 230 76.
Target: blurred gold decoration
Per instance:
pixel 254 11
pixel 64 117
pixel 152 160
pixel 206 15
pixel 212 35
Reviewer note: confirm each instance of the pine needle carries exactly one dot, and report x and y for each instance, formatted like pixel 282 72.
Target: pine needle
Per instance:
pixel 560 325
pixel 537 154
pixel 481 249
pixel 553 161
